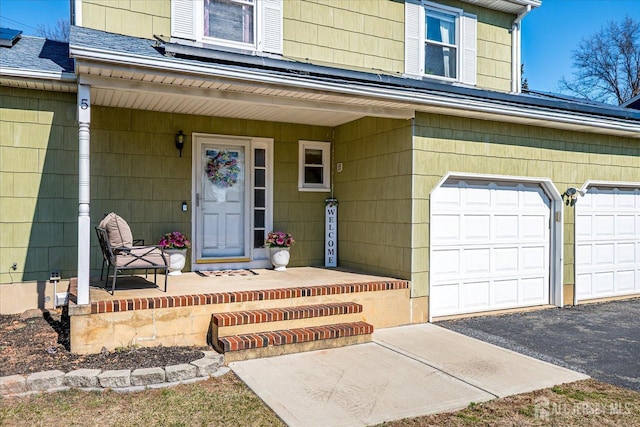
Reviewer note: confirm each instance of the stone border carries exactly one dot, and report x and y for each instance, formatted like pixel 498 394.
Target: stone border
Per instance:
pixel 123 381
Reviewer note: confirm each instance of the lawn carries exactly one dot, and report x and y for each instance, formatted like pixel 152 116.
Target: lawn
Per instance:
pixel 227 401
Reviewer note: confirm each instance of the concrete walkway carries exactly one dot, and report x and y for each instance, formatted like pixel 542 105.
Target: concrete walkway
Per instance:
pixel 406 372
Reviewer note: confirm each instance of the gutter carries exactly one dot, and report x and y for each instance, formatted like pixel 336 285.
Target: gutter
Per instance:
pixel 516 51
pixel 421 94
pixel 38 74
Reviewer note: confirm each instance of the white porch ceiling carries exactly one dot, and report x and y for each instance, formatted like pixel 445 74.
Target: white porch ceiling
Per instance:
pixel 212 97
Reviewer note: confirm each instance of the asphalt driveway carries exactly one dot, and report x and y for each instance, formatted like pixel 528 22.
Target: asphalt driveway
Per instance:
pixel 601 340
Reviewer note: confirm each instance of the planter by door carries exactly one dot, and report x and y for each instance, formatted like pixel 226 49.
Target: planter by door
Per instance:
pixel 177 258
pixel 279 258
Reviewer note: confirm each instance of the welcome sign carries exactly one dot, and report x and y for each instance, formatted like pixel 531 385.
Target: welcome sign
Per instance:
pixel 331 233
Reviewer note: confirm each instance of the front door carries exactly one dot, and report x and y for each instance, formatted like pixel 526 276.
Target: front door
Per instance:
pixel 222 201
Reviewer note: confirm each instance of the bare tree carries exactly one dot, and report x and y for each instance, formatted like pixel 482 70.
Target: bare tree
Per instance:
pixel 59 31
pixel 524 82
pixel 607 64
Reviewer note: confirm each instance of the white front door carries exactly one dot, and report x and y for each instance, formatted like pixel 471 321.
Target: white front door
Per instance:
pixel 222 200
pixel 607 243
pixel 490 246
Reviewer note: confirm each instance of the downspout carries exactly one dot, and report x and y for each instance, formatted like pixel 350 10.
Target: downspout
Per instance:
pixel 516 51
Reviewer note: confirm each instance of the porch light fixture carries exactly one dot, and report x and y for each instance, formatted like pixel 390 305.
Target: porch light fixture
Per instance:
pixel 180 136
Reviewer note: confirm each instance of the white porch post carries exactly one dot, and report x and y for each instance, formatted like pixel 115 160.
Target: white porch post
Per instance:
pixel 84 197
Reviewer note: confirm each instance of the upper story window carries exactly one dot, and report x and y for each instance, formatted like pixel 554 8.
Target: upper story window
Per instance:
pixel 243 24
pixel 440 42
pixel 230 20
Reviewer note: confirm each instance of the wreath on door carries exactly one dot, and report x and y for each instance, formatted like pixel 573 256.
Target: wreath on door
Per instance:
pixel 223 170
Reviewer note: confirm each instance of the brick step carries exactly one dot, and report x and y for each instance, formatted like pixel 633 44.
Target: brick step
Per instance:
pixel 286 313
pixel 263 320
pixel 274 343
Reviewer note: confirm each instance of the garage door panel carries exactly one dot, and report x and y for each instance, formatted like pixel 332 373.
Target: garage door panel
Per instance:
pixel 446 262
pixel 625 253
pixel 584 286
pixel 603 226
pixel 625 281
pixel 627 200
pixel 476 261
pixel 504 241
pixel 625 226
pixel 535 197
pixel 535 227
pixel 533 290
pixel 447 196
pixel 476 227
pixel 583 255
pixel 448 228
pixel 604 254
pixel 505 293
pixel 447 295
pixel 534 258
pixel 603 283
pixel 506 260
pixel 583 225
pixel 477 197
pixel 604 200
pixel 506 227
pixel 475 296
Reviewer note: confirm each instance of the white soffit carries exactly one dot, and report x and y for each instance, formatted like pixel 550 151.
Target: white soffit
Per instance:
pixel 509 6
pixel 310 102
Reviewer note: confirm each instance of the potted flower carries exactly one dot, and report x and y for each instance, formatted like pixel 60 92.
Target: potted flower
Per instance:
pixel 279 243
pixel 175 244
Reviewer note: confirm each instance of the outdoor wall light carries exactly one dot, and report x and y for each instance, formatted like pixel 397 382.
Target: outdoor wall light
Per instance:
pixel 570 196
pixel 180 137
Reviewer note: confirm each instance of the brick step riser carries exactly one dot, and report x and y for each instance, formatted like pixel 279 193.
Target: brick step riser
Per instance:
pixel 225 331
pixel 292 336
pixel 264 320
pixel 279 350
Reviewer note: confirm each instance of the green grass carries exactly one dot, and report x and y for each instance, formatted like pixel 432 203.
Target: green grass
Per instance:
pixel 224 401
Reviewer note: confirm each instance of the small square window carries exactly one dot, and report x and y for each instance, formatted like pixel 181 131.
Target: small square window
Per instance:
pixel 314 166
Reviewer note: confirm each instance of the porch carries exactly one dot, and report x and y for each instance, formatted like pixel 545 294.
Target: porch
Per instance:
pixel 258 314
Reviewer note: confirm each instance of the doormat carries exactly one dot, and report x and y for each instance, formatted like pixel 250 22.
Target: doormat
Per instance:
pixel 220 273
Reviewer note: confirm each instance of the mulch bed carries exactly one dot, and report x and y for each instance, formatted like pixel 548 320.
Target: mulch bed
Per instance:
pixel 39 341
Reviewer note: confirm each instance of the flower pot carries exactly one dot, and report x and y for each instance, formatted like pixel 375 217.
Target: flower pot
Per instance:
pixel 279 258
pixel 177 259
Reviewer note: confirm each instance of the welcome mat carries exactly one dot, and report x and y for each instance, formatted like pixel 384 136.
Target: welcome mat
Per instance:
pixel 220 273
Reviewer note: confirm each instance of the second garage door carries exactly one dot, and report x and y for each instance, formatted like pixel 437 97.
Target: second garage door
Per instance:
pixel 608 243
pixel 489 246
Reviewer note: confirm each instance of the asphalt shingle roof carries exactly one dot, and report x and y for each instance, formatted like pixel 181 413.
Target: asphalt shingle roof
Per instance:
pixel 37 54
pixel 94 39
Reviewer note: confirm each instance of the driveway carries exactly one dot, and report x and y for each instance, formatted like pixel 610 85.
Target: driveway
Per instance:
pixel 601 340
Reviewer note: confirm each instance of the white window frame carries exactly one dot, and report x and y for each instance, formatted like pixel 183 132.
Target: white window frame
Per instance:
pixel 230 43
pixel 416 39
pixel 187 23
pixel 449 12
pixel 325 147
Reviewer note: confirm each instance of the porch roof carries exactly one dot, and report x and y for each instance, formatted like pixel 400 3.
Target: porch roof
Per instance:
pixel 139 73
pixel 39 63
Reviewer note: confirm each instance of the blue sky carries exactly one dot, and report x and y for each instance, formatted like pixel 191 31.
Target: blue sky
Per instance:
pixel 550 32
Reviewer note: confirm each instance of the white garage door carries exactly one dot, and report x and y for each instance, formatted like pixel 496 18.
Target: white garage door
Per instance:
pixel 607 243
pixel 489 247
